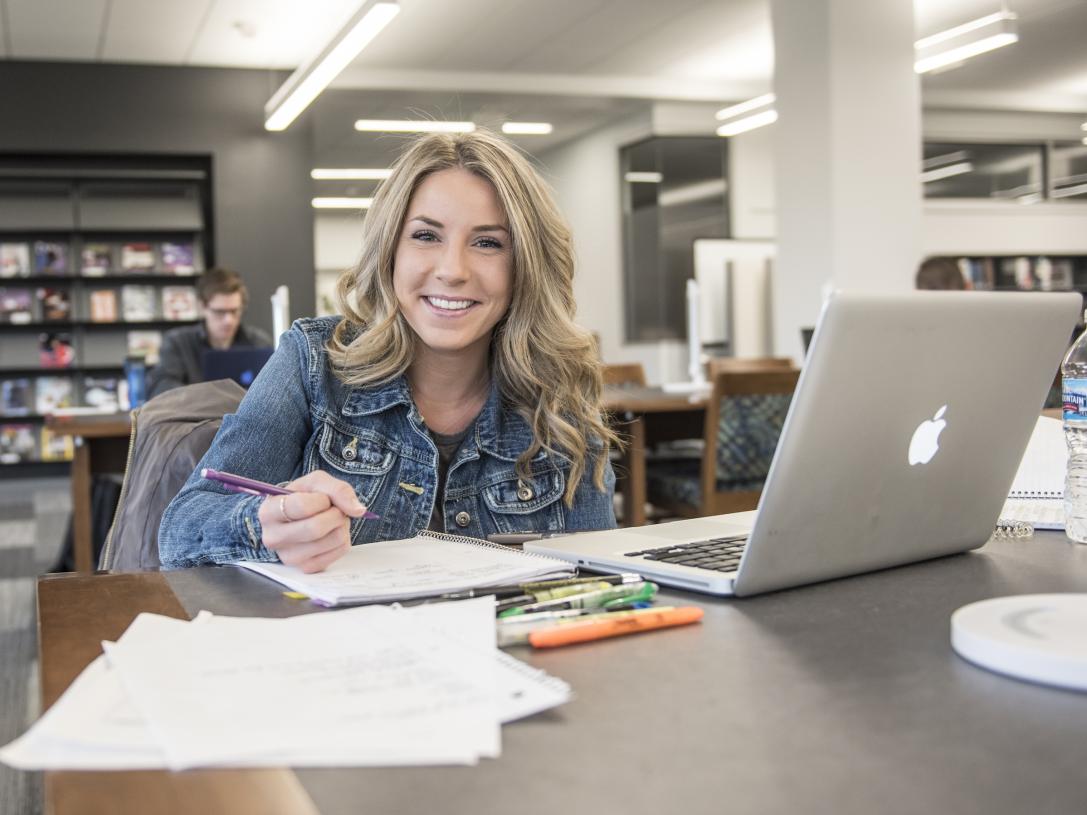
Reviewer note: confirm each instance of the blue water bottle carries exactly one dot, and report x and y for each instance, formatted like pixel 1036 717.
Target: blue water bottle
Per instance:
pixel 136 376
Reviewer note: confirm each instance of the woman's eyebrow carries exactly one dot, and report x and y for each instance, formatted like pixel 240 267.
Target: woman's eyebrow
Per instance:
pixel 439 225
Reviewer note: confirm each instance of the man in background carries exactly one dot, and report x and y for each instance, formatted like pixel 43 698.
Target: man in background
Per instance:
pixel 223 298
pixel 940 273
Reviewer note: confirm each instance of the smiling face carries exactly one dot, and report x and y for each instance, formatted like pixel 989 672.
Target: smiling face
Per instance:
pixel 453 267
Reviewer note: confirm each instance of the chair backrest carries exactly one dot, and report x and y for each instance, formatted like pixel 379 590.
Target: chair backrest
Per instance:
pixel 624 373
pixel 744 364
pixel 170 434
pixel 744 418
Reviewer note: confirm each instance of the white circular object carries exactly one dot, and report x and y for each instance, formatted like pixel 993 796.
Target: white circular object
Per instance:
pixel 1038 637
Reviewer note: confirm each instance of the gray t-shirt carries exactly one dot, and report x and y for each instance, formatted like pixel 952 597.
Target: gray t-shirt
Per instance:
pixel 447 449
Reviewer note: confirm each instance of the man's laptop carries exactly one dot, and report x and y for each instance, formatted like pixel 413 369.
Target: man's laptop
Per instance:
pixel 242 364
pixel 904 434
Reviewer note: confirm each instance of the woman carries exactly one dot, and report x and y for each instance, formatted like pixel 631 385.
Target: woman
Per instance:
pixel 455 393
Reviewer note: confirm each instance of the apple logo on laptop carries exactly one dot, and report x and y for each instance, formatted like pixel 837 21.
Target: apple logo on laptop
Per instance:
pixel 926 438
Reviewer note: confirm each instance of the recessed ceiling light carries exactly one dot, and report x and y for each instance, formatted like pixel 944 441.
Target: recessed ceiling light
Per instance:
pixel 643 177
pixel 748 115
pixel 413 126
pixel 349 174
pixel 767 117
pixel 342 203
pixel 306 84
pixel 527 128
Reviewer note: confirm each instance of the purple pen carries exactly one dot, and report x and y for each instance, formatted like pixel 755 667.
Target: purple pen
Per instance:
pixel 250 486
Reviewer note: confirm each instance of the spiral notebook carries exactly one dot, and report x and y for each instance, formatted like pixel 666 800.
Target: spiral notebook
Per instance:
pixel 427 565
pixel 1037 493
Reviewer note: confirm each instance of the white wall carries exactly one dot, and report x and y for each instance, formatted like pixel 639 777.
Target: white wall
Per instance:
pixel 336 247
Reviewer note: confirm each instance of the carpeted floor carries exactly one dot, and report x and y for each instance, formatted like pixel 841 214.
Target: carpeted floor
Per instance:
pixel 33 519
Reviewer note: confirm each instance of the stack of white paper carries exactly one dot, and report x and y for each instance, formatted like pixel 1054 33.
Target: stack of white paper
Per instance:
pixel 375 686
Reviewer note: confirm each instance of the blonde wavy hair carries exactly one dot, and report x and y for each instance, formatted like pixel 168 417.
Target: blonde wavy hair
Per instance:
pixel 545 366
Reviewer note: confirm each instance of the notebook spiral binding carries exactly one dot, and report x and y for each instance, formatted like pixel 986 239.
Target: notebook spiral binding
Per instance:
pixel 1036 494
pixel 445 536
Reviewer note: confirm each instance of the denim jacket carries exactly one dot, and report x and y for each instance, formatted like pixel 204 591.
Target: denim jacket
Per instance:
pixel 298 417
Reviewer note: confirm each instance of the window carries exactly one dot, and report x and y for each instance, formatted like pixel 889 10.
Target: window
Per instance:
pixel 673 192
pixel 1010 172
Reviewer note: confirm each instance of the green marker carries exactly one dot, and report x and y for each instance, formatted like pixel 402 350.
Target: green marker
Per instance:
pixel 594 599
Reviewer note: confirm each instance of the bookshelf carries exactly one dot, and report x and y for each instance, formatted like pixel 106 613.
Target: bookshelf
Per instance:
pixel 1024 272
pixel 98 258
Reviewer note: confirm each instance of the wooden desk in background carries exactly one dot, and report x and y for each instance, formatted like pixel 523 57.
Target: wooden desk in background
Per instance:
pixel 101 446
pixel 646 416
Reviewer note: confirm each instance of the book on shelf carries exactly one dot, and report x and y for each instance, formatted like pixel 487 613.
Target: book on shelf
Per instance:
pixel 56 446
pixel 178 258
pixel 179 303
pixel 50 258
pixel 137 258
pixel 14 260
pixel 103 305
pixel 56 304
pixel 101 392
pixel 16 305
pixel 145 344
pixel 18 443
pixel 96 259
pixel 52 392
pixel 16 396
pixel 138 303
pixel 55 349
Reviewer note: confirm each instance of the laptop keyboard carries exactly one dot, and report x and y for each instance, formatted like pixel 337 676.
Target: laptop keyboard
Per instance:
pixel 715 554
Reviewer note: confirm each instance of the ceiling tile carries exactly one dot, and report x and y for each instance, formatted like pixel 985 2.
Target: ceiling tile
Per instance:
pixel 55 29
pixel 159 32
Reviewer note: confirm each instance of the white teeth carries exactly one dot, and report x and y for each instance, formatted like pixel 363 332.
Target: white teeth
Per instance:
pixel 449 305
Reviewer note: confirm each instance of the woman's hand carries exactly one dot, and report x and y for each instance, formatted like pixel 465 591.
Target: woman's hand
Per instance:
pixel 310 528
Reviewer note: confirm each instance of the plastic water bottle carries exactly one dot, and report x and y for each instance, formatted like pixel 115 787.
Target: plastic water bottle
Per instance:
pixel 1074 390
pixel 136 374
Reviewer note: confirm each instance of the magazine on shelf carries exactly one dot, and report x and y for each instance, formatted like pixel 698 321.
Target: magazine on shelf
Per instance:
pixel 14 260
pixel 56 304
pixel 179 303
pixel 97 259
pixel 178 258
pixel 50 258
pixel 56 446
pixel 55 350
pixel 16 396
pixel 18 442
pixel 103 305
pixel 145 344
pixel 16 305
pixel 137 258
pixel 101 392
pixel 52 392
pixel 138 303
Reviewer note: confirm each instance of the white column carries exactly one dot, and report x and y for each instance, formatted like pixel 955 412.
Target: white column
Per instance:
pixel 847 154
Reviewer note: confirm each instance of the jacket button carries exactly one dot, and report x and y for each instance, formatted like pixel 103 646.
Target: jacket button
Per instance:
pixel 524 491
pixel 462 518
pixel 349 453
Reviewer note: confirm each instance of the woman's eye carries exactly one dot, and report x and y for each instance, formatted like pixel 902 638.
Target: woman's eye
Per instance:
pixel 489 243
pixel 424 235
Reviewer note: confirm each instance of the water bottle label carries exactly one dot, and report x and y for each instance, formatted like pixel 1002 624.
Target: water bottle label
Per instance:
pixel 1075 400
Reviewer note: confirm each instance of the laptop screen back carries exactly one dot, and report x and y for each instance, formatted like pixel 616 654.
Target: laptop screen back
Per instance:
pixel 240 364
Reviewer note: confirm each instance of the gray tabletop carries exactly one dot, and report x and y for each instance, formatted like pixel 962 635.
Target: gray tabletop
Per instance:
pixel 842 697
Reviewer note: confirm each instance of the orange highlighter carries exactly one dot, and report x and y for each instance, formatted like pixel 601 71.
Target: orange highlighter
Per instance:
pixel 569 633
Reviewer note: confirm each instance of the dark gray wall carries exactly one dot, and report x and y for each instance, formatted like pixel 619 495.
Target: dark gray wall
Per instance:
pixel 263 220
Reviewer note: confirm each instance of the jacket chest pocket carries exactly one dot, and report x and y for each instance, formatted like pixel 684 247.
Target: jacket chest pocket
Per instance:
pixel 364 456
pixel 531 504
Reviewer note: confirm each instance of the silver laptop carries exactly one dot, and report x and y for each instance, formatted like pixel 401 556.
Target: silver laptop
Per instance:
pixel 904 434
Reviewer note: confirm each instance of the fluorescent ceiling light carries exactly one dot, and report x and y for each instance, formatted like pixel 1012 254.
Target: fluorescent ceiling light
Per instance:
pixel 744 107
pixel 413 126
pixel 688 194
pixel 527 128
pixel 342 203
pixel 1068 192
pixel 956 157
pixel 349 174
pixel 965 41
pixel 748 123
pixel 306 84
pixel 929 176
pixel 643 177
